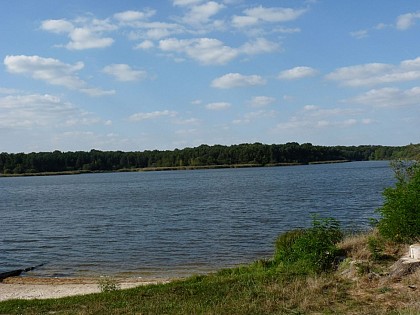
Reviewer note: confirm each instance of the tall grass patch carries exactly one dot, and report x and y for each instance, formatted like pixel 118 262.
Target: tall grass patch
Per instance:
pixel 310 250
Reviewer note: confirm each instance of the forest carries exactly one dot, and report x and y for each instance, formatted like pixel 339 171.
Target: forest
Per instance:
pixel 255 154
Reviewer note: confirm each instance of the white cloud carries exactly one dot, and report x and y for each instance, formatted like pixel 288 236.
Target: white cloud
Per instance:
pixel 359 34
pixel 377 73
pixel 145 45
pixel 187 121
pixel 260 14
pixel 123 72
pixel 252 116
pixel 57 26
pixel 315 117
pixel 4 90
pixel 52 71
pixel 406 21
pixel 131 16
pixel 35 110
pixel 207 51
pixel 381 26
pixel 210 51
pixel 196 102
pixel 186 2
pixel 84 38
pixel 389 97
pixel 153 30
pixel 261 101
pixel 297 73
pixel 233 80
pixel 83 33
pixel 218 106
pixel 201 13
pixel 97 92
pixel 258 46
pixel 310 107
pixel 151 115
pixel 86 140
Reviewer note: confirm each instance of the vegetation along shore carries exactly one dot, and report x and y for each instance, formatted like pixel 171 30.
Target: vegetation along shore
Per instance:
pixel 315 270
pixel 201 157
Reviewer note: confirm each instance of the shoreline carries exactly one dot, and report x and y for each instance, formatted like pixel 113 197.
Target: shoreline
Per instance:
pixel 28 288
pixel 171 168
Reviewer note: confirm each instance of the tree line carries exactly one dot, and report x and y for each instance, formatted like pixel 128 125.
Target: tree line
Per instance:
pixel 203 155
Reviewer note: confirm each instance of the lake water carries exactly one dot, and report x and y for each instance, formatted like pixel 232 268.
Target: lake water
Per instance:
pixel 174 223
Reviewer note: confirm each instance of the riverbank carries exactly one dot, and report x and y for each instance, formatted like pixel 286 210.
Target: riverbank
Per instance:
pixel 170 168
pixel 28 288
pixel 360 285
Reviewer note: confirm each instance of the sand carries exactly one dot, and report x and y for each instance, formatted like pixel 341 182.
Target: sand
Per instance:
pixel 46 288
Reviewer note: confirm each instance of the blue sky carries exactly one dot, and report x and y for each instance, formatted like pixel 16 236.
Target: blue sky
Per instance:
pixel 144 75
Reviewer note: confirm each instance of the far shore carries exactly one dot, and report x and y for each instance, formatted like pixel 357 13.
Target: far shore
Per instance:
pixel 171 168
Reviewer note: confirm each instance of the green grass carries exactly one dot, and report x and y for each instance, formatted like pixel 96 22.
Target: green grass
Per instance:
pixel 235 292
pixel 263 287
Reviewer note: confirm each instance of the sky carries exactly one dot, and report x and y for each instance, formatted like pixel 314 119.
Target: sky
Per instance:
pixel 130 75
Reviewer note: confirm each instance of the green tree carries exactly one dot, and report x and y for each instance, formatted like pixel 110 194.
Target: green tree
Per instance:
pixel 400 214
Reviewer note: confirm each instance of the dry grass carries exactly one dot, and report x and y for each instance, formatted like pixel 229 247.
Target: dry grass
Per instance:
pixel 355 246
pixel 370 285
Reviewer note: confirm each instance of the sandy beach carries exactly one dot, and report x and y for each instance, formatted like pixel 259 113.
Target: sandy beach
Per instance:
pixel 46 288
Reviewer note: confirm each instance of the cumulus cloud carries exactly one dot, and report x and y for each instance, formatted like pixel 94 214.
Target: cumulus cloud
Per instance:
pixel 359 34
pixel 4 90
pixel 153 30
pixel 145 45
pixel 261 101
pixel 406 21
pixel 315 117
pixel 260 14
pixel 83 33
pixel 233 80
pixel 377 73
pixel 36 110
pixel 57 26
pixel 297 73
pixel 52 71
pixel 201 13
pixel 389 97
pixel 186 2
pixel 218 106
pixel 211 51
pixel 204 50
pixel 123 72
pixel 258 46
pixel 131 16
pixel 252 116
pixel 151 115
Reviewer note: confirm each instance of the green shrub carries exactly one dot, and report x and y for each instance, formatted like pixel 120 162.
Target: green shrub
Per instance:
pixel 376 247
pixel 400 214
pixel 284 243
pixel 313 249
pixel 107 284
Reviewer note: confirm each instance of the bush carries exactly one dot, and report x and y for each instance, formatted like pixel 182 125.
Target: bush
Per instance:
pixel 313 249
pixel 400 214
pixel 108 285
pixel 376 247
pixel 284 243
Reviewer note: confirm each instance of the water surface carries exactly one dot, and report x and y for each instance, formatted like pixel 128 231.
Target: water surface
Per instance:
pixel 174 223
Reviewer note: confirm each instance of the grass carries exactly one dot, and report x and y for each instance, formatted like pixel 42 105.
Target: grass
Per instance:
pixel 259 288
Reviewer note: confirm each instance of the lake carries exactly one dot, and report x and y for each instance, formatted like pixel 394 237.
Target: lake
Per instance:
pixel 174 223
